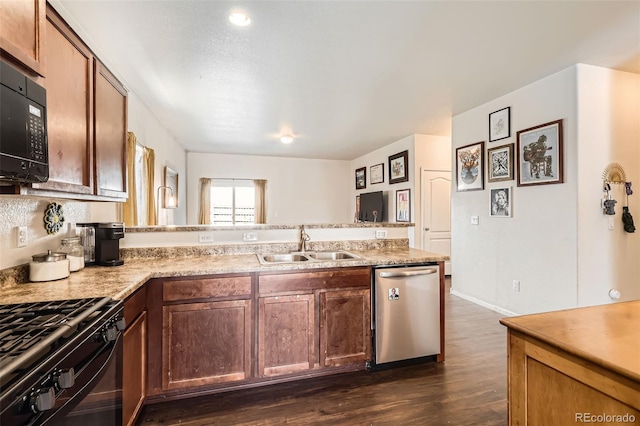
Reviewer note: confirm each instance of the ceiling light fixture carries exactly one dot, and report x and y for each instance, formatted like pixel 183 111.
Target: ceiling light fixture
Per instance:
pixel 240 19
pixel 286 139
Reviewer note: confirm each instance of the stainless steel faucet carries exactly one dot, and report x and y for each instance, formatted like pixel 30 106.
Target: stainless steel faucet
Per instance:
pixel 304 237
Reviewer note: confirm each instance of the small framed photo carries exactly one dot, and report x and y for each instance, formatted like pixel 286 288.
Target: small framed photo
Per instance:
pixel 469 167
pixel 361 178
pixel 540 156
pixel 500 163
pixel 403 205
pixel 500 202
pixel 399 167
pixel 500 124
pixel 376 173
pixel 170 193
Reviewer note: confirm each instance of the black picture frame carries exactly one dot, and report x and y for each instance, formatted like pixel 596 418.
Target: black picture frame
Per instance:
pixel 500 124
pixel 399 167
pixel 361 178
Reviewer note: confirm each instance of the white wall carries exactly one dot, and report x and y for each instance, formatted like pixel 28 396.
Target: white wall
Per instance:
pixel 538 244
pixel 168 152
pixel 425 151
pixel 609 131
pixel 298 190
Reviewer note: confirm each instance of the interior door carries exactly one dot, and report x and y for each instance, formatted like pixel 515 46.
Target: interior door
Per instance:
pixel 436 213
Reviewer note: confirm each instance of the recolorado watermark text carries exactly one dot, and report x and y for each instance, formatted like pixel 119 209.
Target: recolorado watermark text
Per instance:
pixel 605 418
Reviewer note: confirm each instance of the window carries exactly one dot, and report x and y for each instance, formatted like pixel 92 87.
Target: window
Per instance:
pixel 232 202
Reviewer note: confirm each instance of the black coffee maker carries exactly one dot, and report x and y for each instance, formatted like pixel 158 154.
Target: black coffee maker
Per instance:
pixel 101 242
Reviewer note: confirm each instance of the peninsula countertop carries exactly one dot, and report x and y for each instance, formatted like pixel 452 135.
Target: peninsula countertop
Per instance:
pixel 605 335
pixel 121 281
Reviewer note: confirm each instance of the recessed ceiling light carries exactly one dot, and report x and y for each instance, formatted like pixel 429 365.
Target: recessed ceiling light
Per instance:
pixel 240 19
pixel 286 139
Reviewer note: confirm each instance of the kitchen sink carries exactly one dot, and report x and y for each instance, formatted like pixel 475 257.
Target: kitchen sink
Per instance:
pixel 282 258
pixel 332 255
pixel 310 256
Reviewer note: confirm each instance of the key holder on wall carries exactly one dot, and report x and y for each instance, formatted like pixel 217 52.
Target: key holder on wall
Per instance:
pixel 614 174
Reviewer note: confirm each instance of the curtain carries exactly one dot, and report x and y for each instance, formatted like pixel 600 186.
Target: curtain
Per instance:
pixel 149 162
pixel 260 211
pixel 204 213
pixel 130 207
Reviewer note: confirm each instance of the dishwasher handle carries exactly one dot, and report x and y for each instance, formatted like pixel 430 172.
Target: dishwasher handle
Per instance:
pixel 410 273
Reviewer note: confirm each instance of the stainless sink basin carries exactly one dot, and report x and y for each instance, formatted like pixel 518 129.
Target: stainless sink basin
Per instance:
pixel 311 256
pixel 282 258
pixel 332 255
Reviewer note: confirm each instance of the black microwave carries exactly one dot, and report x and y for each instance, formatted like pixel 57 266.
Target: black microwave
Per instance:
pixel 24 154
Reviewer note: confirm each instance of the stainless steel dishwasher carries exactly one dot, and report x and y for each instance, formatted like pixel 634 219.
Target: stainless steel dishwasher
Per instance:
pixel 406 315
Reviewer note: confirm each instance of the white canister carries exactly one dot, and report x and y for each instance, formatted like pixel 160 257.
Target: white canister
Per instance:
pixel 49 266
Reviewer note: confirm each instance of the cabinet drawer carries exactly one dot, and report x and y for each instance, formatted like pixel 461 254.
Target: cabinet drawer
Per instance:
pixel 135 305
pixel 314 280
pixel 206 288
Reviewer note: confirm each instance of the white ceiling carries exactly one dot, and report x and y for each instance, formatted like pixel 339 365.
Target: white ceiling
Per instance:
pixel 344 77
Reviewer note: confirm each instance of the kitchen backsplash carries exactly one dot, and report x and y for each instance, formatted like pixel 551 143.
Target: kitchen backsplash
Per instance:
pixel 16 211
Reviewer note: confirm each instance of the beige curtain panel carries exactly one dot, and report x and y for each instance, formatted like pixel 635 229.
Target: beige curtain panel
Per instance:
pixel 130 207
pixel 150 162
pixel 260 203
pixel 204 212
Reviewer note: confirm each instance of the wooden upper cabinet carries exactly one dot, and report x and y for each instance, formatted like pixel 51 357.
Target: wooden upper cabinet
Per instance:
pixel 110 103
pixel 22 27
pixel 69 110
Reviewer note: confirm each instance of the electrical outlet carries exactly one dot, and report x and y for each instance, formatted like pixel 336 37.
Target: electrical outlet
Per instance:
pixel 381 233
pixel 475 220
pixel 21 240
pixel 249 236
pixel 205 238
pixel 515 285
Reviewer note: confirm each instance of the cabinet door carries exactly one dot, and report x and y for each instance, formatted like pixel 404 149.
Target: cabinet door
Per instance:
pixel 345 335
pixel 22 32
pixel 110 103
pixel 206 343
pixel 134 377
pixel 69 110
pixel 286 334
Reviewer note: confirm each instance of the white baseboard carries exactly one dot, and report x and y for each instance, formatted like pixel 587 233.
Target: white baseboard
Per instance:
pixel 484 304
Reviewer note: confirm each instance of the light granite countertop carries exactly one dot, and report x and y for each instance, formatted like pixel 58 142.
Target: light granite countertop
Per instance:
pixel 121 281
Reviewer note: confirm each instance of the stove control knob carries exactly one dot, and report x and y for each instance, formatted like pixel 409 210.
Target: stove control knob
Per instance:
pixel 44 399
pixel 65 379
pixel 121 324
pixel 110 334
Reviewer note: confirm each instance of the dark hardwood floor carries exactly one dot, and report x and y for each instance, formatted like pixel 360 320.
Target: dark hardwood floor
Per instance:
pixel 469 388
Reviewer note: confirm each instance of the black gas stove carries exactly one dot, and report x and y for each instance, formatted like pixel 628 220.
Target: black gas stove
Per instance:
pixel 52 354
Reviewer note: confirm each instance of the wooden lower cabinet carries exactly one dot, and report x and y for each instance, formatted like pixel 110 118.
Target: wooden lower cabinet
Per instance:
pixel 286 334
pixel 206 343
pixel 134 368
pixel 215 333
pixel 345 330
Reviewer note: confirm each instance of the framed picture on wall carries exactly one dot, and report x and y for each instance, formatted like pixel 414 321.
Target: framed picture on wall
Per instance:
pixel 540 156
pixel 403 205
pixel 361 178
pixel 376 173
pixel 469 167
pixel 357 218
pixel 500 202
pixel 500 163
pixel 500 124
pixel 399 167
